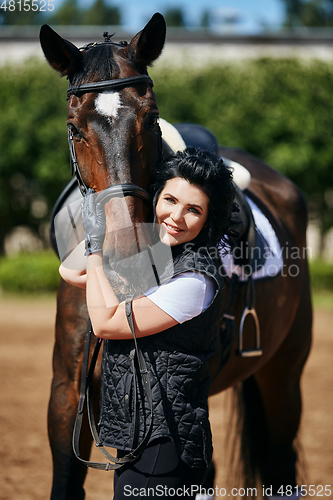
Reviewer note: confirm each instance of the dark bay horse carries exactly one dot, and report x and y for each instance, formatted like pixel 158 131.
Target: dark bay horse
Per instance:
pixel 117 141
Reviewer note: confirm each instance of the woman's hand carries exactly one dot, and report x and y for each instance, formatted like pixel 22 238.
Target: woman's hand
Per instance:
pixel 94 223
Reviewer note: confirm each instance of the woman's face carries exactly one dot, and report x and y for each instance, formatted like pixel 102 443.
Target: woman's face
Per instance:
pixel 181 211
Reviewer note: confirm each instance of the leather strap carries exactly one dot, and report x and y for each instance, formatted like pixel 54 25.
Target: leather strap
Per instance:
pixel 125 189
pixel 109 85
pixel 86 399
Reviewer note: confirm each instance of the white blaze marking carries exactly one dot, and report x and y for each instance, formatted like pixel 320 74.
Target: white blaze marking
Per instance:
pixel 108 104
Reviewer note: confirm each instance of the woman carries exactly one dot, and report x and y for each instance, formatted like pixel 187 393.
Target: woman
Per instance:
pixel 176 322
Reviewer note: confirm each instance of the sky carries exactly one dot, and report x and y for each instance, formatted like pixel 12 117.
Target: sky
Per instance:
pixel 253 13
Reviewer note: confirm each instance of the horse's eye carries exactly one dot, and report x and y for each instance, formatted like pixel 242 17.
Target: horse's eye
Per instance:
pixel 152 121
pixel 75 132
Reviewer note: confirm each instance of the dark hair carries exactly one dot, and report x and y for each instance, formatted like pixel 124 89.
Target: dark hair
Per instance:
pixel 207 171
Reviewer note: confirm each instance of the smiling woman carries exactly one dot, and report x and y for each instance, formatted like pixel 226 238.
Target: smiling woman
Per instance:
pixel 173 321
pixel 181 210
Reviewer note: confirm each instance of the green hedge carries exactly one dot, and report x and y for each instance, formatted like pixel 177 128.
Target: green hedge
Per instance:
pixel 279 110
pixel 30 272
pixel 38 272
pixel 321 275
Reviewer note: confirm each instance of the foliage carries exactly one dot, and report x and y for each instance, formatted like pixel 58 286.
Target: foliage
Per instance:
pixel 174 17
pixel 21 17
pixel 277 110
pixel 69 13
pixel 321 273
pixel 310 13
pixel 34 272
pixel 99 13
pixel 34 163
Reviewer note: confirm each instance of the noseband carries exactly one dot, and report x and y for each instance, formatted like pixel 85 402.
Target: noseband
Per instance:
pixel 126 189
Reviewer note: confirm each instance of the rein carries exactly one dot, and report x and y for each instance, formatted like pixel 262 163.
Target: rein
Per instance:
pixel 86 390
pixel 86 387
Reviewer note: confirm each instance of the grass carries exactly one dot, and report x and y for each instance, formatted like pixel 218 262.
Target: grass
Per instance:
pixel 323 300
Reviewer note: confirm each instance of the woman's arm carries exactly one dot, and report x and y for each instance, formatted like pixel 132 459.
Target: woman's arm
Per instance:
pixel 108 317
pixel 73 277
pixel 73 268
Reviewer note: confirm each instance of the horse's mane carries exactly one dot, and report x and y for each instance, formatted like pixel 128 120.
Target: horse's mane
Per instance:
pixel 98 64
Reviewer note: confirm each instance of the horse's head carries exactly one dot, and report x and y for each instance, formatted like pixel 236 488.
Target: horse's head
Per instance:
pixel 112 124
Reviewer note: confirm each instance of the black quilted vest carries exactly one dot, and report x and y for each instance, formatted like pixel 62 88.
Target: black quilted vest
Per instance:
pixel 177 361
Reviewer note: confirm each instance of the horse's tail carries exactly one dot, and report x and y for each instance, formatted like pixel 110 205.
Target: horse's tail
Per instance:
pixel 248 439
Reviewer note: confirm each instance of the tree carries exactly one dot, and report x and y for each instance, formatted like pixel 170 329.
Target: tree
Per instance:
pixel 174 17
pixel 34 158
pixel 277 110
pixel 20 17
pixel 204 23
pixel 69 13
pixel 309 13
pixel 101 14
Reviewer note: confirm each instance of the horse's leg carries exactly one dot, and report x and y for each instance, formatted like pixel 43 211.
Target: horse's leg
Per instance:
pixel 68 473
pixel 279 386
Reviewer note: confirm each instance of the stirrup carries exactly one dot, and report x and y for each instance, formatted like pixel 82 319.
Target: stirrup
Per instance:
pixel 249 310
pixel 257 351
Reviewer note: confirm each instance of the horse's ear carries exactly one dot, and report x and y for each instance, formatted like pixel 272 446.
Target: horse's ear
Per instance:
pixel 61 54
pixel 147 45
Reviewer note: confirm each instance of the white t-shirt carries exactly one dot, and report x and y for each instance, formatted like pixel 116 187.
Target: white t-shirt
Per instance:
pixel 184 296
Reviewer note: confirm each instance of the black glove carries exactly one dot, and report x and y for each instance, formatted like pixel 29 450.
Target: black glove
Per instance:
pixel 94 223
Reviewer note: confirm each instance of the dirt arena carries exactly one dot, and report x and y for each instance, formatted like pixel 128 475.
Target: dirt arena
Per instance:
pixel 26 332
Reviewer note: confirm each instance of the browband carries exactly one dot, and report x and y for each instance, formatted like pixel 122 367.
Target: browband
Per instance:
pixel 108 85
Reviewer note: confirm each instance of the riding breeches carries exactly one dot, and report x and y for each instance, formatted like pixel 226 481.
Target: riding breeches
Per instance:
pixel 157 473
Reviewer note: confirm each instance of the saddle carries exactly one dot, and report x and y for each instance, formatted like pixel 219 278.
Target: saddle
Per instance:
pixel 249 247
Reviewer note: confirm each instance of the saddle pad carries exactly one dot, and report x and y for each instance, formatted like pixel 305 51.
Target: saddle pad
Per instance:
pixel 273 253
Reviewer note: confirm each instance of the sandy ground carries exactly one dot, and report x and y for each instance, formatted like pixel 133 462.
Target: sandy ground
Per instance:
pixel 26 332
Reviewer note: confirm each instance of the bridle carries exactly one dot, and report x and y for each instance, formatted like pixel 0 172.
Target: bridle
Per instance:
pixel 117 190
